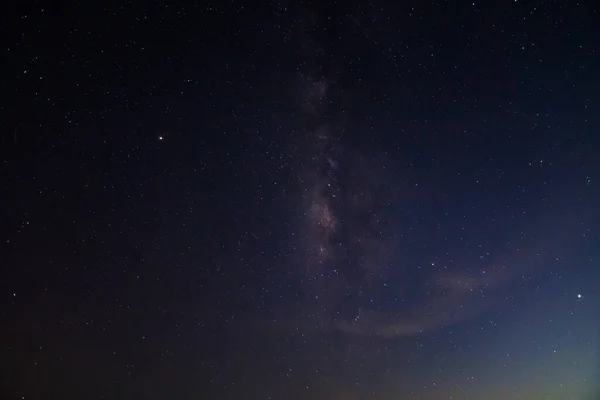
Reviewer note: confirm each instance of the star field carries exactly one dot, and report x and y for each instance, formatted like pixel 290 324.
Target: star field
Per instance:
pixel 296 200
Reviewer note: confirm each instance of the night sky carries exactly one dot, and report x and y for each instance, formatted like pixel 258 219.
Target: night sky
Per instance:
pixel 287 200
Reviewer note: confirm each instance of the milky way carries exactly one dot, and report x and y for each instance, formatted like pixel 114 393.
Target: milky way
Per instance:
pixel 363 232
pixel 362 241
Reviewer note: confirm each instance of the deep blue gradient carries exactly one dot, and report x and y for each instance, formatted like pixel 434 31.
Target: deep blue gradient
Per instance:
pixel 300 201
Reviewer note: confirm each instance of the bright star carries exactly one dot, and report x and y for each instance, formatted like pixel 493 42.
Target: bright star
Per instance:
pixel 579 295
pixel 160 138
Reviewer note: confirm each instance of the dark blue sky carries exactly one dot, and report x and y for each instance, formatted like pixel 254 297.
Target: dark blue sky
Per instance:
pixel 288 201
